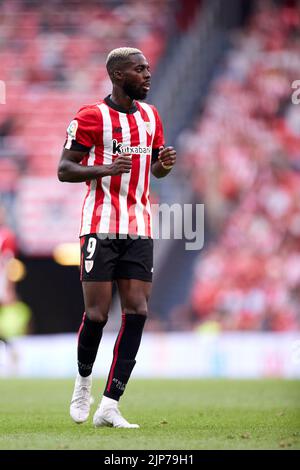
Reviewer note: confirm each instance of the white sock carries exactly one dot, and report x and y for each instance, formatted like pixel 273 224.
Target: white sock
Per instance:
pixel 108 403
pixel 84 379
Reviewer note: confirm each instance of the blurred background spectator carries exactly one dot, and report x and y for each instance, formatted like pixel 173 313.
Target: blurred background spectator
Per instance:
pixel 7 254
pixel 15 315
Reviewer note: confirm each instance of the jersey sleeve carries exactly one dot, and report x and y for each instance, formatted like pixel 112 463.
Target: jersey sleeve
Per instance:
pixel 84 130
pixel 159 138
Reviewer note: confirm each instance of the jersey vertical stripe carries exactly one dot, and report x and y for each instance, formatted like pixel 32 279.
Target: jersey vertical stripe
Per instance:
pixel 99 193
pixel 148 115
pixel 105 181
pixel 89 202
pixel 124 218
pixel 82 211
pixel 115 182
pixel 134 177
pixel 139 209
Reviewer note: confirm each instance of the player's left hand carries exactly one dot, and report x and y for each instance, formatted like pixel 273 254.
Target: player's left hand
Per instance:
pixel 167 157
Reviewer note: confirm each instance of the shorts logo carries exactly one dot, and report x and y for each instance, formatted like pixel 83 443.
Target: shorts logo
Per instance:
pixel 88 265
pixel 72 129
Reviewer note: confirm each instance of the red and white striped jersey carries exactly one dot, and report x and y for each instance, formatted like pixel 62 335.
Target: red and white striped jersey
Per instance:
pixel 117 204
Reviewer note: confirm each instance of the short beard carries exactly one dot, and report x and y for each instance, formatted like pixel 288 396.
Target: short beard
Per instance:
pixel 133 93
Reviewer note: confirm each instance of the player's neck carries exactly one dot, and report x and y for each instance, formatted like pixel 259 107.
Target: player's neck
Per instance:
pixel 121 99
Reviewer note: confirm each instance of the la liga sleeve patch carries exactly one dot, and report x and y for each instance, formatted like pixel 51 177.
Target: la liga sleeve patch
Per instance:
pixel 72 129
pixel 71 133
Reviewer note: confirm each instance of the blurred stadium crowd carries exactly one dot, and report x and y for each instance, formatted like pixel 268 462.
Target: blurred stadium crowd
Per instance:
pixel 242 155
pixel 247 145
pixel 52 58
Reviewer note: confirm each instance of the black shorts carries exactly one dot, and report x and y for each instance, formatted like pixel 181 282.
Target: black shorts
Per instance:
pixel 120 258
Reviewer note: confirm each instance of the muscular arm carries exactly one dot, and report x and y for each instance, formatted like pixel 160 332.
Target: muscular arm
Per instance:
pixel 70 170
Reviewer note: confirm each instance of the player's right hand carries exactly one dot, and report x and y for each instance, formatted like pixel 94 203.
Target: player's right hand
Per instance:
pixel 121 164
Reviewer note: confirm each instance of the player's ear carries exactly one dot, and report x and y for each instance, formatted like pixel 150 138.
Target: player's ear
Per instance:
pixel 118 75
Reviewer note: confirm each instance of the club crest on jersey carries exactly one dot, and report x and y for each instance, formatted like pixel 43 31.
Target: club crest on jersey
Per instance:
pixel 88 264
pixel 121 148
pixel 148 127
pixel 72 129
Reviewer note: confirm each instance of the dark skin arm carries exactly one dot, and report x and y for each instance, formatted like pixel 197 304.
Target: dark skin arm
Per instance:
pixel 70 170
pixel 166 157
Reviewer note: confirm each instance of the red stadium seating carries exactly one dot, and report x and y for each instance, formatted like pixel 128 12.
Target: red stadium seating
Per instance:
pixel 248 142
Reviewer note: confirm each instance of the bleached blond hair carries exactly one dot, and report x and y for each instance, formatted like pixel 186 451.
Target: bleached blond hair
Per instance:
pixel 119 56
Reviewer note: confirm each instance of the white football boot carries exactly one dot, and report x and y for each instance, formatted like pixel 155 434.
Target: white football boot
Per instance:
pixel 81 399
pixel 108 414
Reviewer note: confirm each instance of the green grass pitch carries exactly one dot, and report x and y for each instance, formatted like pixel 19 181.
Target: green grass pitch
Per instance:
pixel 173 414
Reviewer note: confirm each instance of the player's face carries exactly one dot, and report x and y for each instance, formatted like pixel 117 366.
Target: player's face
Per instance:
pixel 137 77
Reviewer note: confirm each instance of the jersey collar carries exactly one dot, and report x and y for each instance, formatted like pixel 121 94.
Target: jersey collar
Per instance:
pixel 115 106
